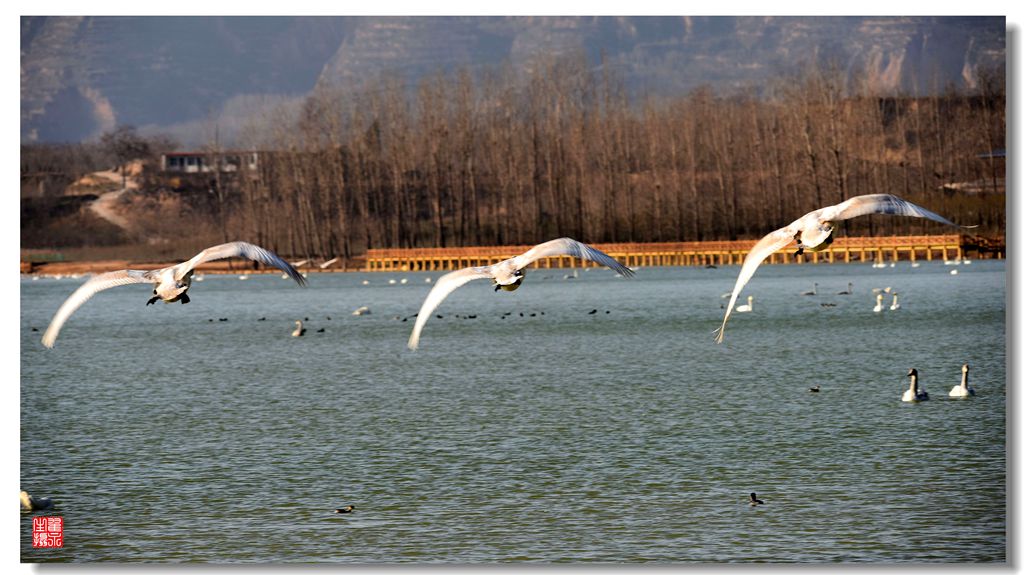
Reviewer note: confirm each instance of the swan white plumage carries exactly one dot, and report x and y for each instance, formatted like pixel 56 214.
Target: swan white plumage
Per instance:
pixel 878 304
pixel 299 330
pixel 508 274
pixel 895 302
pixel 962 390
pixel 749 306
pixel 814 290
pixel 914 393
pixel 171 283
pixel 848 290
pixel 813 231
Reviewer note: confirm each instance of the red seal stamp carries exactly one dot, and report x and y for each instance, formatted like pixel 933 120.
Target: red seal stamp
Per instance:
pixel 47 531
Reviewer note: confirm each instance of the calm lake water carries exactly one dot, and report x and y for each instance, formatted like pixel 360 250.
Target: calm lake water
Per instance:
pixel 563 436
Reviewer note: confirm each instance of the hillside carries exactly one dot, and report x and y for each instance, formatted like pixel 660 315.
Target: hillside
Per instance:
pixel 81 76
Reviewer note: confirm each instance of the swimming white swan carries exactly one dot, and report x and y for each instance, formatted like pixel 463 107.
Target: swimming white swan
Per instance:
pixel 848 290
pixel 171 283
pixel 749 306
pixel 299 330
pixel 962 390
pixel 814 290
pixel 878 304
pixel 914 393
pixel 813 231
pixel 895 302
pixel 508 275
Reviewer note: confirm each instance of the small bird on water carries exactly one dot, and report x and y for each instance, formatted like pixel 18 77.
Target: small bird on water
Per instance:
pixel 346 509
pixel 32 503
pixel 754 501
pixel 816 388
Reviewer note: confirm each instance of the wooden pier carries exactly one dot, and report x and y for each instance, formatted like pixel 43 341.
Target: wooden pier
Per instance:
pixel 843 250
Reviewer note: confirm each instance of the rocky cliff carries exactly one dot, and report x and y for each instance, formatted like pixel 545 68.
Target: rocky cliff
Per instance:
pixel 83 75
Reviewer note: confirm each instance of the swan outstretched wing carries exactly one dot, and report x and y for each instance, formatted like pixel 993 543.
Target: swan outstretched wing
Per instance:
pixel 768 245
pixel 242 250
pixel 448 283
pixel 85 291
pixel 880 204
pixel 569 247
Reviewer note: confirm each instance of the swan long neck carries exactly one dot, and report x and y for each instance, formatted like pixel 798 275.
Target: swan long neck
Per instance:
pixel 963 381
pixel 913 383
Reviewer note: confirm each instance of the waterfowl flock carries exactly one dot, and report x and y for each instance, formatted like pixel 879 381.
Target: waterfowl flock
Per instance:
pixel 811 232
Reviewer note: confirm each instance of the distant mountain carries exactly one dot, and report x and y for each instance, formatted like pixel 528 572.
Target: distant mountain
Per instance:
pixel 81 76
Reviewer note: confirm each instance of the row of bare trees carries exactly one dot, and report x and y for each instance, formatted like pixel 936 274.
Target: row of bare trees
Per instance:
pixel 519 155
pixel 513 157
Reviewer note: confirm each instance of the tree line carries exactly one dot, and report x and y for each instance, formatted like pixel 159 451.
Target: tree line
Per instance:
pixel 563 148
pixel 506 157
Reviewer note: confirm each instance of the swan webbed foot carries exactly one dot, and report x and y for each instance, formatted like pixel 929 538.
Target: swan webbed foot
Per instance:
pixel 153 300
pixel 184 299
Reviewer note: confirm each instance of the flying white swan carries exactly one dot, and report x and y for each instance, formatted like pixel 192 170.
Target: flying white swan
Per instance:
pixel 913 393
pixel 813 231
pixel 962 390
pixel 508 275
pixel 171 283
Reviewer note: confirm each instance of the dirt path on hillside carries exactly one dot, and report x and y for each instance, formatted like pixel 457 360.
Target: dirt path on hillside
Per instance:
pixel 104 208
pixel 104 205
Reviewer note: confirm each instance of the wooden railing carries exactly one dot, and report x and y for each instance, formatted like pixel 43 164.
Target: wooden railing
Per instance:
pixel 844 249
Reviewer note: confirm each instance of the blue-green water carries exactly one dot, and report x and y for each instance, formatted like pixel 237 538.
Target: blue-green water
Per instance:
pixel 563 436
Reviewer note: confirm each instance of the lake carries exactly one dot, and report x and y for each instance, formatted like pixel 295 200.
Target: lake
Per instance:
pixel 535 432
